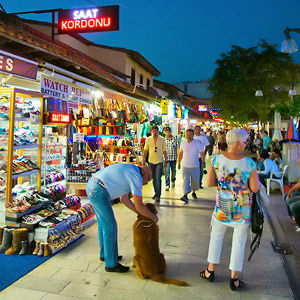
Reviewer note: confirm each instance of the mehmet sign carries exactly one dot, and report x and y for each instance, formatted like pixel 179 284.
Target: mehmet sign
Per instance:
pixel 103 18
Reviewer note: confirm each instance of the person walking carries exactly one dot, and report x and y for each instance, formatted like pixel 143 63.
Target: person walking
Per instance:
pixel 266 141
pixel 156 147
pixel 211 141
pixel 116 181
pixel 235 177
pixel 189 155
pixel 172 145
pixel 204 141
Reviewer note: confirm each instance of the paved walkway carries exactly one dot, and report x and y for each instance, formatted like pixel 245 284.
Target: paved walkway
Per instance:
pixel 77 273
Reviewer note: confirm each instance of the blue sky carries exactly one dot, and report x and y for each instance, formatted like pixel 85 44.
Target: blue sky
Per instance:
pixel 183 39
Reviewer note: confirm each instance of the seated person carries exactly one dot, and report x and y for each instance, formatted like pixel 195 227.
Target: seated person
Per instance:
pixel 259 164
pixel 270 166
pixel 292 199
pixel 276 156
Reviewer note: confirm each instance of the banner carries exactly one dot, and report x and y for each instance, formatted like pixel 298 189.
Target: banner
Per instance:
pixel 16 65
pixel 59 89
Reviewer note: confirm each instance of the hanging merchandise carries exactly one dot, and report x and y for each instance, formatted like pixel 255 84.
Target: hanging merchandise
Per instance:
pixel 164 104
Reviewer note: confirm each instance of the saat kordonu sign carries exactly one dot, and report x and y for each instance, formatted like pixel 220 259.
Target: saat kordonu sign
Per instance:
pixel 92 19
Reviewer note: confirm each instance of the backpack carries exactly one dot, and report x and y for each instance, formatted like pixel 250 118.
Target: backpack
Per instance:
pixel 257 224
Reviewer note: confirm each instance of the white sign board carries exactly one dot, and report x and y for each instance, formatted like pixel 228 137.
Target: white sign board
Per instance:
pixel 63 90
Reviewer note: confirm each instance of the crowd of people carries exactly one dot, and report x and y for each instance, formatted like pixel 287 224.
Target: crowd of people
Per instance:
pixel 235 175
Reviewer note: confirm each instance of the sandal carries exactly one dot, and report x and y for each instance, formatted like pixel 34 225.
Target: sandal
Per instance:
pixel 236 284
pixel 211 276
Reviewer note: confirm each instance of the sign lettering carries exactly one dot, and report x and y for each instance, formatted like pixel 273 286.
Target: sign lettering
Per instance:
pixel 56 88
pixel 104 18
pixel 59 118
pixel 16 65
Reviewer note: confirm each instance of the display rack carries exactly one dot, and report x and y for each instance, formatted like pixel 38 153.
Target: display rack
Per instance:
pixel 12 119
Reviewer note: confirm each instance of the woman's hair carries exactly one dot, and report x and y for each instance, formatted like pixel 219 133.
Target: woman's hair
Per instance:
pixel 236 135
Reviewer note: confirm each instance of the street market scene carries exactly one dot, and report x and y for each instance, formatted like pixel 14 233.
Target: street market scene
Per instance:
pixel 149 150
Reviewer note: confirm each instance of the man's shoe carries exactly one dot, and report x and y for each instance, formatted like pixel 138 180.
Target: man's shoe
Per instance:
pixel 154 197
pixel 167 188
pixel 157 199
pixel 201 187
pixel 119 269
pixel 120 257
pixel 184 198
pixel 173 184
pixel 194 195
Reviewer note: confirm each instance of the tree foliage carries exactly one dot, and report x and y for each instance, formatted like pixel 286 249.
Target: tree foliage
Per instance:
pixel 240 72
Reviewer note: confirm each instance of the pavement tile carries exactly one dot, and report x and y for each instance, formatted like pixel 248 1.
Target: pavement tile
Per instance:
pixel 16 293
pixel 85 291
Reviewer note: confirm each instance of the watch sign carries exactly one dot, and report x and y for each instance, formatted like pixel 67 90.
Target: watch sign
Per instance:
pixel 102 18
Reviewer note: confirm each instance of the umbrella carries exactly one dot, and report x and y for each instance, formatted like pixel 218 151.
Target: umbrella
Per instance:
pixel 291 133
pixel 277 121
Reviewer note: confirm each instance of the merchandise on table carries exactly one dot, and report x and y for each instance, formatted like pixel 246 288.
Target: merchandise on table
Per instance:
pixel 86 212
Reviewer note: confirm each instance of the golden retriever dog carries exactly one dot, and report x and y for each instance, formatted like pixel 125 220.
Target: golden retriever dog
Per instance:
pixel 148 261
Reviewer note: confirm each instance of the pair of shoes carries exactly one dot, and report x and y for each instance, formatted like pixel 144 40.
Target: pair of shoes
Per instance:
pixel 211 276
pixel 194 195
pixel 120 257
pixel 173 184
pixel 157 199
pixel 119 269
pixel 167 188
pixel 236 284
pixel 184 198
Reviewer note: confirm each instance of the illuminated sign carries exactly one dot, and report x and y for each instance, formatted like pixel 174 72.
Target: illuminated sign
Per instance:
pixel 103 18
pixel 59 118
pixel 219 120
pixel 214 112
pixel 202 108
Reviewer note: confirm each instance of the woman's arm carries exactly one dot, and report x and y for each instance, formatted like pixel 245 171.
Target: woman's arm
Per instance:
pixel 211 179
pixel 253 181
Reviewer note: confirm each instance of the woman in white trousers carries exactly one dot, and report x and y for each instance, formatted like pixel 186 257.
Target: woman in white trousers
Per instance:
pixel 236 178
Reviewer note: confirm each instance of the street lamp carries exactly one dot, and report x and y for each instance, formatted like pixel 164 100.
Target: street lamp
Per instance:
pixel 289 45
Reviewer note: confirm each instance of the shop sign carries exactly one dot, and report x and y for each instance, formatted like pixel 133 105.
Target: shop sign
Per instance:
pixel 202 108
pixel 214 112
pixel 59 118
pixel 78 137
pixel 219 120
pixel 16 65
pixel 103 18
pixel 59 89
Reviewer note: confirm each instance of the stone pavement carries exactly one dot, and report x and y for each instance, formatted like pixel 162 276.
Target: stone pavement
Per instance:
pixel 77 273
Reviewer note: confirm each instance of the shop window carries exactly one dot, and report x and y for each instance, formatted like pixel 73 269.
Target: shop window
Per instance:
pixel 141 79
pixel 132 76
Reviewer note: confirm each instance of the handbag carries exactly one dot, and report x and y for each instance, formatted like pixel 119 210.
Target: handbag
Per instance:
pixel 257 224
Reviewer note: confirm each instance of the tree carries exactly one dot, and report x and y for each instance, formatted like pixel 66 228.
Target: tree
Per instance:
pixel 240 72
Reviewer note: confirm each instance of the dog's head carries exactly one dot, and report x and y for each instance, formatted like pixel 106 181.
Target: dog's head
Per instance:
pixel 151 207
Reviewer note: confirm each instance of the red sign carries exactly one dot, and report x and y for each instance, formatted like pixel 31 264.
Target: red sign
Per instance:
pixel 103 18
pixel 16 65
pixel 59 118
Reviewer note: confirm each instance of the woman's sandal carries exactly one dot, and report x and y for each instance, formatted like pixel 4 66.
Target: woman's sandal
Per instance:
pixel 236 284
pixel 211 276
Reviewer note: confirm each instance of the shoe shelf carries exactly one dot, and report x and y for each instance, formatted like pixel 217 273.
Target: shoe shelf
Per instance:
pixel 24 147
pixel 17 100
pixel 70 242
pixel 54 159
pixel 89 221
pixel 41 234
pixel 25 174
pixel 16 216
pixel 30 120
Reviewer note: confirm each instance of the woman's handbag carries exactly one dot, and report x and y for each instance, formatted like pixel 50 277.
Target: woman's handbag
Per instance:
pixel 259 200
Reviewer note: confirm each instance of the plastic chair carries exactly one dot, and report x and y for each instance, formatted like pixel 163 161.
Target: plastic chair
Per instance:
pixel 278 180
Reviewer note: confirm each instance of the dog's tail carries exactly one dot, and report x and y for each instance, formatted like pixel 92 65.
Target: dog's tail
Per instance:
pixel 164 279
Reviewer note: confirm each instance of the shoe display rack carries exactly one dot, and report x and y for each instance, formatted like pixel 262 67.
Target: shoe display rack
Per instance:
pixel 21 142
pixel 54 162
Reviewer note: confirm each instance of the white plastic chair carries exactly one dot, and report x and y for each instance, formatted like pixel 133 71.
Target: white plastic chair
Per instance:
pixel 279 180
